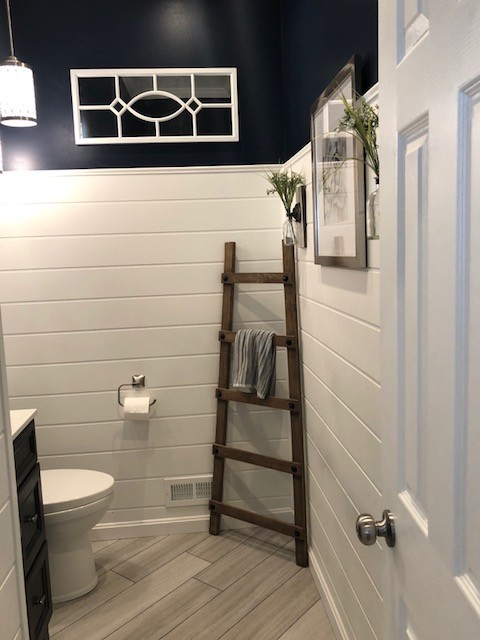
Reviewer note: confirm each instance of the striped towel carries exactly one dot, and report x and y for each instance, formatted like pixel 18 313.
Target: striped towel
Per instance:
pixel 254 362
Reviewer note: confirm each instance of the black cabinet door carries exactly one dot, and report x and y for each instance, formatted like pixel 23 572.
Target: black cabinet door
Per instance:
pixel 39 599
pixel 32 525
pixel 25 448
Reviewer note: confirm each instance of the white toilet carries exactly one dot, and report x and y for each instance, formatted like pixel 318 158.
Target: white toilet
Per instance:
pixel 74 500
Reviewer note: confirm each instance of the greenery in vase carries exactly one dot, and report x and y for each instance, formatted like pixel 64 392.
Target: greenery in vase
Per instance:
pixel 285 184
pixel 361 120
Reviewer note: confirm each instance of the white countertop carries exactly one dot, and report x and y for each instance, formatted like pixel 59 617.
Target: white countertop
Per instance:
pixel 19 418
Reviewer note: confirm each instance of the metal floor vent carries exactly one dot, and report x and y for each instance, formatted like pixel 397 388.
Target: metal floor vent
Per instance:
pixel 181 492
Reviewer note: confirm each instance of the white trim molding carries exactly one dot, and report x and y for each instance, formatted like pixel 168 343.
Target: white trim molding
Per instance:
pixel 164 526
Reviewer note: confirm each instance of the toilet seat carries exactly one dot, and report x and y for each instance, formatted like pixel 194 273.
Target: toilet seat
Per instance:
pixel 64 489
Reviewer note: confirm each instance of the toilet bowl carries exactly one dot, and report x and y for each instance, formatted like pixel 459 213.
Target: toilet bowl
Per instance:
pixel 74 500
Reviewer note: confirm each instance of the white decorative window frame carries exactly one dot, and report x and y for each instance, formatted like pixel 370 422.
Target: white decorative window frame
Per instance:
pixel 193 105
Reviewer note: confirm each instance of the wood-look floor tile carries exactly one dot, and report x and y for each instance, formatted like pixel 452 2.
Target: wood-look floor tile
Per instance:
pixel 257 606
pixel 279 611
pixel 214 547
pixel 230 606
pixel 313 624
pixel 158 554
pixel 98 545
pixel 65 613
pixel 273 537
pixel 235 564
pixel 120 551
pixel 167 613
pixel 130 603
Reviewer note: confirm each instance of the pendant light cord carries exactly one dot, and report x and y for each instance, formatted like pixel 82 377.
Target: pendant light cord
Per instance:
pixel 9 18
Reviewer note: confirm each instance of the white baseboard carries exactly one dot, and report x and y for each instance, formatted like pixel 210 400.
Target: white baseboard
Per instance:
pixel 329 601
pixel 163 526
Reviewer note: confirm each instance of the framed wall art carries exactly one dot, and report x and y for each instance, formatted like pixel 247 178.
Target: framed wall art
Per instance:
pixel 120 106
pixel 338 178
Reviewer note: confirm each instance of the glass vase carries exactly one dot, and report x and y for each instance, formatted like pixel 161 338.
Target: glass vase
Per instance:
pixel 373 213
pixel 290 231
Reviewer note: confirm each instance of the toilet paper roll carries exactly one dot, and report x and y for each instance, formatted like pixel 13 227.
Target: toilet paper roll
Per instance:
pixel 136 408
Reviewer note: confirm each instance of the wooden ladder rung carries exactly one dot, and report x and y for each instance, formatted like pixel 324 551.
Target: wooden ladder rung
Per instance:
pixel 279 341
pixel 287 466
pixel 255 518
pixel 231 277
pixel 288 404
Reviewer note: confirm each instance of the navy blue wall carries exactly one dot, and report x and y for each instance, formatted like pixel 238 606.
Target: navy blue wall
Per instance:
pixel 58 35
pixel 285 52
pixel 319 37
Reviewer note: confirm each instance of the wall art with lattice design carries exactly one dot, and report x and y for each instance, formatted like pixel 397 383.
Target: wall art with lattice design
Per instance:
pixel 118 106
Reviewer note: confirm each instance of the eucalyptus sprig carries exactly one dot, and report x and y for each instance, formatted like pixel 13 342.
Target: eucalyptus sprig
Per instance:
pixel 361 120
pixel 285 184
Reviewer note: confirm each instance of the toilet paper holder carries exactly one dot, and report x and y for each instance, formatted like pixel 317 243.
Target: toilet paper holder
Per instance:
pixel 137 382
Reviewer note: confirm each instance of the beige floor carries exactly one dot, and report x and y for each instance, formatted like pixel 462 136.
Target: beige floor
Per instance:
pixel 242 585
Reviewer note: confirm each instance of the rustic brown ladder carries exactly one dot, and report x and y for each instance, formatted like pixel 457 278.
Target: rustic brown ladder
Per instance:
pixel 293 404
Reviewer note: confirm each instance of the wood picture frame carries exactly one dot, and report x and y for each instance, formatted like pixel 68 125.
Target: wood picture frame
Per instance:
pixel 338 178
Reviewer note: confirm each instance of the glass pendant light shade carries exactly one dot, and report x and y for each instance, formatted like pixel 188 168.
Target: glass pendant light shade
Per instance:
pixel 17 94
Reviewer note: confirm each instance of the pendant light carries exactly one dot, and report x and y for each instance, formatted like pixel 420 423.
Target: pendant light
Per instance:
pixel 17 93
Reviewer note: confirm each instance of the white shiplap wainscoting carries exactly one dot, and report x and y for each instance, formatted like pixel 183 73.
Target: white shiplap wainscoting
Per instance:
pixel 339 317
pixel 109 273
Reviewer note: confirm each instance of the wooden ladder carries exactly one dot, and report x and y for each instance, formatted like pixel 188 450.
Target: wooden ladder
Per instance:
pixel 293 404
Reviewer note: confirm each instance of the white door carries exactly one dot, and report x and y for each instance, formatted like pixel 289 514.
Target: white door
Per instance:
pixel 429 83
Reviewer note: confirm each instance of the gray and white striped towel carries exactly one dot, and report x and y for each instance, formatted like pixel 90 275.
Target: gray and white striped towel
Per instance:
pixel 254 362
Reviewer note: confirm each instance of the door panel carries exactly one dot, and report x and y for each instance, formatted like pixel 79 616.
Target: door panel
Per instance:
pixel 468 498
pixel 415 25
pixel 413 172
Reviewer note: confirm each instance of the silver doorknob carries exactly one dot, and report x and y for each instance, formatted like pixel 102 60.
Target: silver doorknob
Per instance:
pixel 368 529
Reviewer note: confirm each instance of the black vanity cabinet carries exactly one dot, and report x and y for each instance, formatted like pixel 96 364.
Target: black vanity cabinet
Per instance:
pixel 32 526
